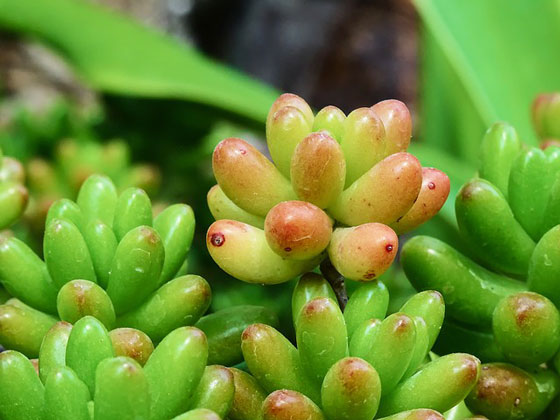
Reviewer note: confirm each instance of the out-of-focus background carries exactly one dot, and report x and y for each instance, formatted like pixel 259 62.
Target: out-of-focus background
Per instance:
pixel 158 83
pixel 326 51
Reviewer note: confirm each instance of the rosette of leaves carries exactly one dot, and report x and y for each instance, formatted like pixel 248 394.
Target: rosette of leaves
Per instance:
pixel 13 194
pixel 84 372
pixel 104 256
pixel 342 186
pixel 74 161
pixel 503 297
pixel 357 364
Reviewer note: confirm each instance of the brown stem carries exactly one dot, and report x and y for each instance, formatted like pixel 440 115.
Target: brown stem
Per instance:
pixel 336 280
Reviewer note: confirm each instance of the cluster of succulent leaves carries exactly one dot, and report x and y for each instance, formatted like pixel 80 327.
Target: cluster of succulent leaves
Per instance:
pixel 105 255
pixel 355 365
pixel 66 133
pixel 74 161
pixel 275 220
pixel 13 194
pixel 84 372
pixel 340 186
pixel 503 299
pixel 28 130
pixel 105 68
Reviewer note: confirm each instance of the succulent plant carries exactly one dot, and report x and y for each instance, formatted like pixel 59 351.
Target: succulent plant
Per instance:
pixel 350 173
pixel 86 373
pixel 74 161
pixel 506 392
pixel 104 256
pixel 357 364
pixel 546 118
pixel 13 194
pixel 503 298
pixel 224 328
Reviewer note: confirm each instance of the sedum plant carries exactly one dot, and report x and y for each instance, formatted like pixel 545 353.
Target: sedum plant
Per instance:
pixel 223 329
pixel 74 161
pixel 104 256
pixel 340 186
pixel 546 118
pixel 503 298
pixel 357 364
pixel 13 194
pixel 84 373
pixel 505 391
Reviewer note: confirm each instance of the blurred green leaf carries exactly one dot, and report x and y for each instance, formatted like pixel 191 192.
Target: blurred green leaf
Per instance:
pixel 116 55
pixel 484 61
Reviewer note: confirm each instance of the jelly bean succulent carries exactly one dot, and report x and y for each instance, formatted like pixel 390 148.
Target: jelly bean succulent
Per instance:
pixel 13 194
pixel 84 372
pixel 503 298
pixel 546 118
pixel 357 364
pixel 104 256
pixel 340 186
pixel 74 161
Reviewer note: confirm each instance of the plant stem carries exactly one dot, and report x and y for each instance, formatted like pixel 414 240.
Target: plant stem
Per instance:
pixel 336 280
